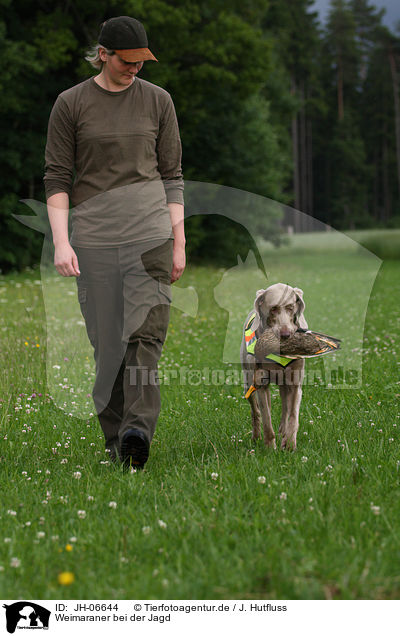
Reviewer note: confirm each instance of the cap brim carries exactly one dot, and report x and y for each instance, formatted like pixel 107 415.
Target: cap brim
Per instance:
pixel 135 55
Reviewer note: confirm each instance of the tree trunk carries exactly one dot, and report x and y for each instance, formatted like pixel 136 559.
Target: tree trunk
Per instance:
pixel 303 153
pixel 385 210
pixel 375 202
pixel 310 168
pixel 295 154
pixel 328 191
pixel 395 83
pixel 340 89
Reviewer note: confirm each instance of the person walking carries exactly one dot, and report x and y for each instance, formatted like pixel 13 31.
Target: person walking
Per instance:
pixel 114 153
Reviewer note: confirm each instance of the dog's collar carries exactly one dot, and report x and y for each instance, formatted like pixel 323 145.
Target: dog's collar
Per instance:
pixel 251 339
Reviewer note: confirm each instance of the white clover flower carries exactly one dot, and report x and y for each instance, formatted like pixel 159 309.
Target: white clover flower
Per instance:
pixel 162 524
pixel 283 496
pixel 375 509
pixel 214 476
pixel 261 479
pixel 7 540
pixel 40 535
pixel 77 475
pixel 12 513
pixel 64 461
pixel 304 459
pixel 90 498
pixel 81 514
pixel 73 540
pixel 146 529
pixel 15 562
pixel 112 504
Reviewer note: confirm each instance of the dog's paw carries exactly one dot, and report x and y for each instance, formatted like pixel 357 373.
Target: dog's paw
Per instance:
pixel 270 443
pixel 288 444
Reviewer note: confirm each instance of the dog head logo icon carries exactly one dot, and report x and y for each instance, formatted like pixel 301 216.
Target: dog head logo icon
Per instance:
pixel 26 615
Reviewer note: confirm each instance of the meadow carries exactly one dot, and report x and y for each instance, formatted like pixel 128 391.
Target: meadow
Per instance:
pixel 214 515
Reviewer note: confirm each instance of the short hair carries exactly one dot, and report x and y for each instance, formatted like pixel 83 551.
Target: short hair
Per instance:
pixel 93 55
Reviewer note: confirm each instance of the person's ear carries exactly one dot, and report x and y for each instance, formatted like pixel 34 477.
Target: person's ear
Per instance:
pixel 103 55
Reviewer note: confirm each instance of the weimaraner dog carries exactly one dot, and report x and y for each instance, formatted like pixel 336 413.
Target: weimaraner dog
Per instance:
pixel 280 308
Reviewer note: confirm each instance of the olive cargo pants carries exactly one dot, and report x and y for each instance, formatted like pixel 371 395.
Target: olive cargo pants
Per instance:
pixel 124 295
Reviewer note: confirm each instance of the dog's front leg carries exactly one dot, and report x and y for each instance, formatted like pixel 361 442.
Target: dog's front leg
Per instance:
pixel 264 399
pixel 285 412
pixel 293 399
pixel 255 416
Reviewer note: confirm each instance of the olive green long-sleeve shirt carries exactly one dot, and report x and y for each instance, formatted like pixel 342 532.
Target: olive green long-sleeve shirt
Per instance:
pixel 118 156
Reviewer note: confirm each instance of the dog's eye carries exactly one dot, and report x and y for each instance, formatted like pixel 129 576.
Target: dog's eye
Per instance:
pixel 274 308
pixel 289 307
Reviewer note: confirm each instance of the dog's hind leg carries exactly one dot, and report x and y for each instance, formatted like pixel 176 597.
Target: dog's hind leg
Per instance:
pixel 264 399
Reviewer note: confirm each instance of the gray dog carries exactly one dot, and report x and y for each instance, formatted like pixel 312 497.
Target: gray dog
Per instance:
pixel 280 308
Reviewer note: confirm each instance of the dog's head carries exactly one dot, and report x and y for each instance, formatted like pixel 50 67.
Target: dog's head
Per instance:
pixel 280 308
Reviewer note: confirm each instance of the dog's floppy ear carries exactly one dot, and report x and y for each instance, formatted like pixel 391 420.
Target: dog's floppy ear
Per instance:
pixel 299 316
pixel 259 298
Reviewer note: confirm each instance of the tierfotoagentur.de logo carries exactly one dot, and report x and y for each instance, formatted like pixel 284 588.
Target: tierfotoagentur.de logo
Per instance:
pixel 26 615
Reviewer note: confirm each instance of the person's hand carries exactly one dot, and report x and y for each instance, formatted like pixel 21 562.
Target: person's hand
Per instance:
pixel 178 261
pixel 65 260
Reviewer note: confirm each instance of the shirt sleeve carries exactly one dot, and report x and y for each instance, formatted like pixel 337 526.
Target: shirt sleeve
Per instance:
pixel 60 150
pixel 169 151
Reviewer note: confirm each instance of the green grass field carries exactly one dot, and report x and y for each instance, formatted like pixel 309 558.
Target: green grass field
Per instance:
pixel 213 515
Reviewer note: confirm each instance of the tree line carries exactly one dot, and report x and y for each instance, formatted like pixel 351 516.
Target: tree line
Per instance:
pixel 268 101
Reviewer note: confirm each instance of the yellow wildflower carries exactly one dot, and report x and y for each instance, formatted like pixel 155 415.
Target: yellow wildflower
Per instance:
pixel 66 578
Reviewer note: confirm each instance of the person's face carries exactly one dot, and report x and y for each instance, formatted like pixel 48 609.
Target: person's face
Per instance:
pixel 118 71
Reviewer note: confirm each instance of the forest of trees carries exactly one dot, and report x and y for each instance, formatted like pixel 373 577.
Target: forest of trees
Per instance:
pixel 268 100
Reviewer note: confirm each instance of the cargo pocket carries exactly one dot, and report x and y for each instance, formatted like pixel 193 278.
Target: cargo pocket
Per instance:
pixel 163 310
pixel 86 313
pixel 165 290
pixel 156 322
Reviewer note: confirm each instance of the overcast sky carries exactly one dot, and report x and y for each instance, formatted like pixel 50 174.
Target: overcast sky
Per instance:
pixel 392 10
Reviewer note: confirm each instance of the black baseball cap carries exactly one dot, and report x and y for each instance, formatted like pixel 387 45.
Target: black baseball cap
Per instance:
pixel 127 37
